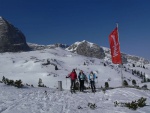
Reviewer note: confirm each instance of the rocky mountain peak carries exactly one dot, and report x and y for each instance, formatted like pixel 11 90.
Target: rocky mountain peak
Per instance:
pixel 87 49
pixel 11 38
pixel 1 17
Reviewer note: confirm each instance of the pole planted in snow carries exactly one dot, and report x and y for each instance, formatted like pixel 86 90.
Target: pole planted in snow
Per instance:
pixel 122 74
pixel 60 85
pixel 121 58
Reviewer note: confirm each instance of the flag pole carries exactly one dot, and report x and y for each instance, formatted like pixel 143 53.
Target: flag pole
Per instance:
pixel 122 74
pixel 121 58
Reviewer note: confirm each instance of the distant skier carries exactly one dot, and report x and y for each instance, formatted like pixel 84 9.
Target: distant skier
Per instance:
pixel 82 77
pixel 73 77
pixel 92 78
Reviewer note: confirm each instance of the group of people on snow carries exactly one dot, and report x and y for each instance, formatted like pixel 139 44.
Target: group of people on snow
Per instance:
pixel 82 78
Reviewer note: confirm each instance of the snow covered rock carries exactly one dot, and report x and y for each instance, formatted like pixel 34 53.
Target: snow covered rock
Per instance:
pixel 87 49
pixel 126 58
pixel 42 47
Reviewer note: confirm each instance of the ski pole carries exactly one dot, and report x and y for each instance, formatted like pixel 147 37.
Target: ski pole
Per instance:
pixel 66 82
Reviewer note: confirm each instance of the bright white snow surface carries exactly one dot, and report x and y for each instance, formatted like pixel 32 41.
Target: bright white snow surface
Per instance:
pixel 28 66
pixel 35 100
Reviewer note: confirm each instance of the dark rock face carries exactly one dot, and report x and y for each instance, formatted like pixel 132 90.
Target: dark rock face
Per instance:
pixel 88 49
pixel 11 39
pixel 64 46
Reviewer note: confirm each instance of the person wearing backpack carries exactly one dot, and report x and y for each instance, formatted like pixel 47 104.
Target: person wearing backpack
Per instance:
pixel 73 77
pixel 92 78
pixel 82 77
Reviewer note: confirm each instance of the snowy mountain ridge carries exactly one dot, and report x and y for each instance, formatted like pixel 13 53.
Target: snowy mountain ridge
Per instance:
pixel 90 44
pixel 104 50
pixel 126 57
pixel 41 47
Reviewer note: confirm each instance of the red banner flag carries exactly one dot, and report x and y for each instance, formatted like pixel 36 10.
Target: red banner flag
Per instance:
pixel 115 47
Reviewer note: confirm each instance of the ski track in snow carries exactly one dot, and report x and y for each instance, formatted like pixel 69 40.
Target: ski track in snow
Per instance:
pixel 35 100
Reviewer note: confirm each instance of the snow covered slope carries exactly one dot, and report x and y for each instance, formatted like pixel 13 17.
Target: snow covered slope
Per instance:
pixel 35 100
pixel 30 66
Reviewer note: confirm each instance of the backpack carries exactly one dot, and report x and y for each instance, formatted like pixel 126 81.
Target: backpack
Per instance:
pixel 91 77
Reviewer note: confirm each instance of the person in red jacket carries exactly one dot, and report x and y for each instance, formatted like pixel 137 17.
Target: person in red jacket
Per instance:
pixel 73 77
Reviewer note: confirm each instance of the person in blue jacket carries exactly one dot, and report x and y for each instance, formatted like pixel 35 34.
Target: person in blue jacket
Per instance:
pixel 82 77
pixel 92 78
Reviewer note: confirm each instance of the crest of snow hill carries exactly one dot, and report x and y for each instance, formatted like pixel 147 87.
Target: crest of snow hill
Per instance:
pixel 13 40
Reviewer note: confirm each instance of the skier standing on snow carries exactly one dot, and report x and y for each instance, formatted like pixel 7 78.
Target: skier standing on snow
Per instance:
pixel 73 77
pixel 82 77
pixel 92 78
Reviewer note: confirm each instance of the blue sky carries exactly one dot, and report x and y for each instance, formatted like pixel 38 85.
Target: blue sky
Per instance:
pixel 67 21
